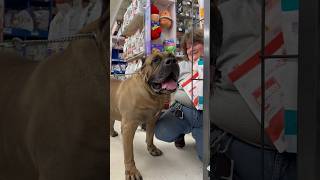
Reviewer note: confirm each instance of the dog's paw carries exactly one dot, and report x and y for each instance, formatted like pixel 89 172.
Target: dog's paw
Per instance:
pixel 113 134
pixel 154 151
pixel 133 174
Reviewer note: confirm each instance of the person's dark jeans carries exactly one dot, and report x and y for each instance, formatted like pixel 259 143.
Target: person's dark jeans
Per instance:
pixel 247 162
pixel 169 127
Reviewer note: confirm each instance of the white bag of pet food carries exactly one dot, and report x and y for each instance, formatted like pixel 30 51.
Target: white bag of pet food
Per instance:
pixel 41 18
pixel 22 20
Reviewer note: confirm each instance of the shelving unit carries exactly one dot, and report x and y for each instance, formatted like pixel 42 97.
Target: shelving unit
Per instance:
pixel 118 61
pixel 118 65
pixel 25 34
pixel 166 34
pixel 18 5
pixel 135 57
pixel 188 15
pixel 135 24
pixel 141 22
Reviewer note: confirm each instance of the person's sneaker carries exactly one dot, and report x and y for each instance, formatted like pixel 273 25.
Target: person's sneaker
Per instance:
pixel 180 143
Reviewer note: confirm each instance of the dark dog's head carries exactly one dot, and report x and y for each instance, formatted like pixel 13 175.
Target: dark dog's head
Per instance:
pixel 161 71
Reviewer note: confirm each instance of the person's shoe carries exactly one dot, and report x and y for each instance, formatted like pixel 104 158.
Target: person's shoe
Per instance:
pixel 180 143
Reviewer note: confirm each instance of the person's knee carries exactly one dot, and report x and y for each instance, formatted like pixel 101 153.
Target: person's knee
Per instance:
pixel 164 134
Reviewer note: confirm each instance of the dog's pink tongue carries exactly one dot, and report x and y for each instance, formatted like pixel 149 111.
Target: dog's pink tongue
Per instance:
pixel 169 85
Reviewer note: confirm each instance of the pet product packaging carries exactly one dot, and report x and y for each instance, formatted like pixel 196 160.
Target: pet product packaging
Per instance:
pixel 41 19
pixel 169 46
pixel 156 47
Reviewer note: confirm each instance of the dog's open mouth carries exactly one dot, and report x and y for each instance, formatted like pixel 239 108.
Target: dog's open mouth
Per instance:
pixel 165 86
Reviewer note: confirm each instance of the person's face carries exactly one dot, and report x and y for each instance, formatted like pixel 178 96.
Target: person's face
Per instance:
pixel 196 51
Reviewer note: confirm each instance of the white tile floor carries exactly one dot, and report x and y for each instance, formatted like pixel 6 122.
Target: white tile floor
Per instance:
pixel 174 164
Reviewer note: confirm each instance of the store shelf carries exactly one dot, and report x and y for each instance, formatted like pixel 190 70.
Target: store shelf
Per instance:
pixel 25 33
pixel 118 38
pixel 118 49
pixel 16 4
pixel 29 5
pixel 40 3
pixel 117 61
pixel 136 57
pixel 135 24
pixel 117 72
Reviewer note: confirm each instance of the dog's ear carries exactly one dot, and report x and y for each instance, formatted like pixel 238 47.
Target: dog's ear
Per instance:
pixel 146 71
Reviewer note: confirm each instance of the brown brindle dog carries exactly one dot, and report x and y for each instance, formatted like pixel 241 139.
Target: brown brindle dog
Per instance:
pixel 140 99
pixel 53 113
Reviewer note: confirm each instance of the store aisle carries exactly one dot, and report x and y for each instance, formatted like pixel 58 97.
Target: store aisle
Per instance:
pixel 174 164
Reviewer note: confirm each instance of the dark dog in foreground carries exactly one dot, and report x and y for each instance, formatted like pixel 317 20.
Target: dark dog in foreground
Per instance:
pixel 140 99
pixel 52 113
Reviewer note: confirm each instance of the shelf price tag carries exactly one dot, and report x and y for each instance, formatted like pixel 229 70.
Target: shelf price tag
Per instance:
pixel 34 33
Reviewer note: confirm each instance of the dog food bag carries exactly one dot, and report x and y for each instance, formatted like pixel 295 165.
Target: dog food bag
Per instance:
pixel 41 18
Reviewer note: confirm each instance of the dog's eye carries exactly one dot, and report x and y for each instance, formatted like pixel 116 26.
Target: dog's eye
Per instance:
pixel 156 60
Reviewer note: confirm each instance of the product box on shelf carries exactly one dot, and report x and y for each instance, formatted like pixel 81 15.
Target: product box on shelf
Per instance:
pixel 169 45
pixel 19 19
pixel 141 41
pixel 157 47
pixel 134 44
pixel 133 18
pixel 41 18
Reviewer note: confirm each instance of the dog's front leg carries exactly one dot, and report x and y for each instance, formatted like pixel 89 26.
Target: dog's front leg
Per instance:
pixel 150 125
pixel 128 130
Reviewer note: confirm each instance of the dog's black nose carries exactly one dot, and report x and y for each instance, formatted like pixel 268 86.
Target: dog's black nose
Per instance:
pixel 170 61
